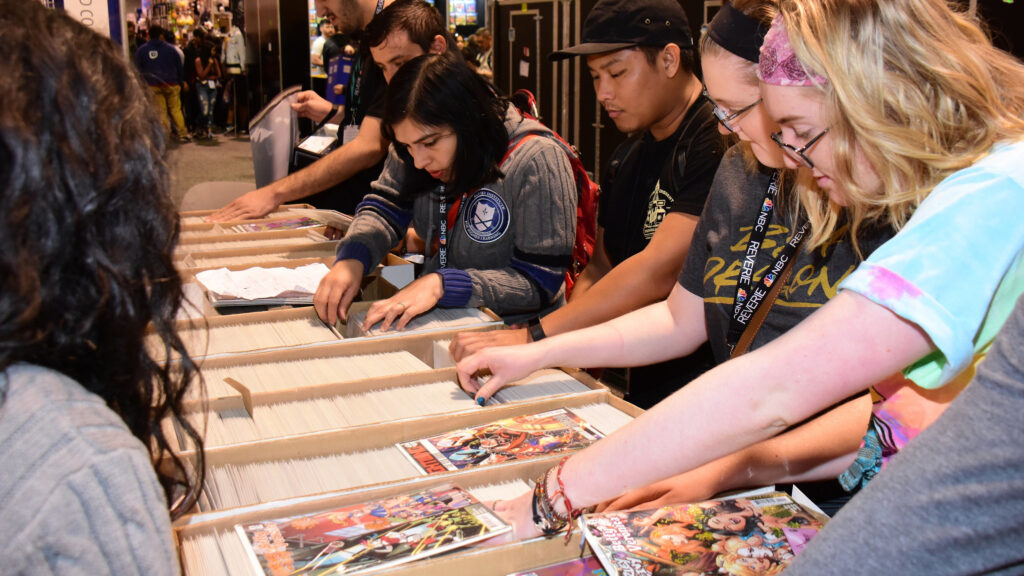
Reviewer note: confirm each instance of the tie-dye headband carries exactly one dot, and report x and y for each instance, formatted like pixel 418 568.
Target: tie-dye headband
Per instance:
pixel 779 65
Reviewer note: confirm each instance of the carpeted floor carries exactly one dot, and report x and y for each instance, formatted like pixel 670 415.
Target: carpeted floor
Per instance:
pixel 228 158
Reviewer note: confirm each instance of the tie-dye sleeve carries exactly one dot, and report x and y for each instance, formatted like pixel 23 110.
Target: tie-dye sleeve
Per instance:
pixel 955 269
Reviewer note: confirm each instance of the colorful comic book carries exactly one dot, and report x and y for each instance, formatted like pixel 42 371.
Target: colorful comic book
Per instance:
pixel 755 535
pixel 586 566
pixel 515 438
pixel 365 537
pixel 281 224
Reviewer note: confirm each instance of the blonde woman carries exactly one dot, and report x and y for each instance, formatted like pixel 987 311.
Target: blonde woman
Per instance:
pixel 895 127
pixel 813 454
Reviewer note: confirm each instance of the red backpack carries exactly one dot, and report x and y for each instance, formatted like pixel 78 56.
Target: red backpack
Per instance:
pixel 587 192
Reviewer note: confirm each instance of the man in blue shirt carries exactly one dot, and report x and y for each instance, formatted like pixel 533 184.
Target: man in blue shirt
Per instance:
pixel 161 66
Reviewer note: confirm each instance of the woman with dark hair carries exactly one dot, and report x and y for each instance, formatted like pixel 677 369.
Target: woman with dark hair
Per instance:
pixel 208 73
pixel 493 189
pixel 85 267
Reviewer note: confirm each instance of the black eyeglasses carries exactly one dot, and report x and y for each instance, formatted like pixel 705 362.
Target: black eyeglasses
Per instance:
pixel 799 154
pixel 724 116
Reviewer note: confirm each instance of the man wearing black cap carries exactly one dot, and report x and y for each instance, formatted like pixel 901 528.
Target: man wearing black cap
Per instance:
pixel 642 60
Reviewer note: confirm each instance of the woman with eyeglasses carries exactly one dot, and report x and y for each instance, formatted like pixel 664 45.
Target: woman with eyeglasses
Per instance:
pixel 750 217
pixel 729 245
pixel 492 189
pixel 896 130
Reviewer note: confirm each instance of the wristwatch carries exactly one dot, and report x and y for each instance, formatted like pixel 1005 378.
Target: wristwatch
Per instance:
pixel 334 112
pixel 536 330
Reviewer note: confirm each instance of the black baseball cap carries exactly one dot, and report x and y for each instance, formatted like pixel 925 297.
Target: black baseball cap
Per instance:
pixel 617 24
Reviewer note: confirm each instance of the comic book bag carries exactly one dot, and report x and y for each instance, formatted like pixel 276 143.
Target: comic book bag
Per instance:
pixel 587 192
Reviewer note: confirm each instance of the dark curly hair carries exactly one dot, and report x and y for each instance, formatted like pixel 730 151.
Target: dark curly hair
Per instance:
pixel 441 90
pixel 88 228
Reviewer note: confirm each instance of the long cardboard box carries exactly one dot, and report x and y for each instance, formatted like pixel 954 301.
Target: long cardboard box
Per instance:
pixel 250 257
pixel 249 402
pixel 421 346
pixel 195 220
pixel 191 242
pixel 497 560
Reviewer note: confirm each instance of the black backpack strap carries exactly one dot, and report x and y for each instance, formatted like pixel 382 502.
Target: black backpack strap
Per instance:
pixel 619 157
pixel 679 152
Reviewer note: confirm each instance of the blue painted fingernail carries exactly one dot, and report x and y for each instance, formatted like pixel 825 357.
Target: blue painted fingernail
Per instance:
pixel 480 400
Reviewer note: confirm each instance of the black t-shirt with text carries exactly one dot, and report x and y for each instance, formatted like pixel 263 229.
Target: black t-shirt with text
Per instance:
pixel 649 179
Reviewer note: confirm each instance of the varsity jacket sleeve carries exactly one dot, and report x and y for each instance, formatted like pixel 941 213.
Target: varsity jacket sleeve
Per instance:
pixel 540 188
pixel 381 219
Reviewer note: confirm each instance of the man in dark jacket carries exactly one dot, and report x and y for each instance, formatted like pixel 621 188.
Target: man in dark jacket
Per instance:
pixel 189 98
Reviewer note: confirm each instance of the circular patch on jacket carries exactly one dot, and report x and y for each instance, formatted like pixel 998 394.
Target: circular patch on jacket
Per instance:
pixel 486 218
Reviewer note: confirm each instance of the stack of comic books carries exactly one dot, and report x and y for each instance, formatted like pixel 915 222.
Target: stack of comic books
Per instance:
pixel 373 535
pixel 517 438
pixel 751 536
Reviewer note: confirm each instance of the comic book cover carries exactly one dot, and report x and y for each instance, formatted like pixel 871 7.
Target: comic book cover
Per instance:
pixel 515 438
pixel 752 536
pixel 371 535
pixel 282 224
pixel 586 566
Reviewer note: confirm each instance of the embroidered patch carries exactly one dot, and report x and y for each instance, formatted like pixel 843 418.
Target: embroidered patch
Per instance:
pixel 486 218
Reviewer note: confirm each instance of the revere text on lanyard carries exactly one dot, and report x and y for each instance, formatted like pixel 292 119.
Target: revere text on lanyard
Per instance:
pixel 748 298
pixel 448 219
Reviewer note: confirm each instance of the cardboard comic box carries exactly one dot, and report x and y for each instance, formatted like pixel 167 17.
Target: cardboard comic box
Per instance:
pixel 195 532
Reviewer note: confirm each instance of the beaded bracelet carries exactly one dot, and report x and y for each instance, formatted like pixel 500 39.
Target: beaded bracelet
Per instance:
pixel 543 518
pixel 548 503
pixel 545 514
pixel 573 513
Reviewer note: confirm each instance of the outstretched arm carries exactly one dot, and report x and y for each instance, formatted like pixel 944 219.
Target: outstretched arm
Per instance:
pixel 309 104
pixel 642 279
pixel 367 149
pixel 816 450
pixel 466 343
pixel 843 348
pixel 668 329
pixel 381 221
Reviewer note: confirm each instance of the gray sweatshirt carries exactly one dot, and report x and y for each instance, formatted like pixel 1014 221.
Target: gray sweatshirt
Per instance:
pixel 78 494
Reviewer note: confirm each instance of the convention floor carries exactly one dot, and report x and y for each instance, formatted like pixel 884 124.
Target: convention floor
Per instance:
pixel 228 158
